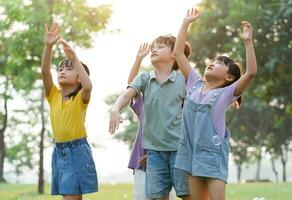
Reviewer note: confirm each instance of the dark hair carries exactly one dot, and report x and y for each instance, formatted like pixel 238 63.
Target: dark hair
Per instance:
pixel 234 69
pixel 68 63
pixel 169 40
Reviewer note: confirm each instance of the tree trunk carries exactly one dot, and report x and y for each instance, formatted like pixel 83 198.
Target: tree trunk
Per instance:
pixel 2 153
pixel 2 131
pixel 284 158
pixel 239 168
pixel 41 183
pixel 274 169
pixel 259 158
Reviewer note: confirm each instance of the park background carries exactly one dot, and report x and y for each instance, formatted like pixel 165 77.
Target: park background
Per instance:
pixel 106 35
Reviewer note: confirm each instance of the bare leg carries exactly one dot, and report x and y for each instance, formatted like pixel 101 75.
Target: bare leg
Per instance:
pixel 198 188
pixel 188 197
pixel 216 189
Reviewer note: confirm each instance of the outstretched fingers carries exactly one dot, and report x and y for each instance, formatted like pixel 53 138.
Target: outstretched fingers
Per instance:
pixel 54 26
pixel 194 13
pixel 145 46
pixel 113 126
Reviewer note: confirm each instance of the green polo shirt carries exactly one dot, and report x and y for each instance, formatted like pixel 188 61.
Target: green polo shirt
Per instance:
pixel 162 110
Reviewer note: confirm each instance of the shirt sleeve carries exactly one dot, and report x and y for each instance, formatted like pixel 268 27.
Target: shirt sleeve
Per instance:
pixel 228 95
pixel 139 83
pixel 192 79
pixel 53 93
pixel 80 100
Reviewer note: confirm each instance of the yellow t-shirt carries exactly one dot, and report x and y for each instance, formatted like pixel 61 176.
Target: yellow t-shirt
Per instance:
pixel 67 118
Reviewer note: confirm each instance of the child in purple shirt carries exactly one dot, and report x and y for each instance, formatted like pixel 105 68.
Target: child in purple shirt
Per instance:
pixel 204 146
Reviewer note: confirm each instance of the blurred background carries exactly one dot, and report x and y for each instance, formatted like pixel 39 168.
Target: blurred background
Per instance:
pixel 106 35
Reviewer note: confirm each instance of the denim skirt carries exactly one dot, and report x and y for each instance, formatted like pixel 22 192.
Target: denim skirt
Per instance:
pixel 73 168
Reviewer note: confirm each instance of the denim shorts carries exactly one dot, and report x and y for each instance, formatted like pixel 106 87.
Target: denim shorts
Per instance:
pixel 73 169
pixel 161 175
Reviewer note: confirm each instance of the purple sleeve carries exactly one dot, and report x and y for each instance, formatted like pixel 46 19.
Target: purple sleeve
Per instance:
pixel 137 151
pixel 192 79
pixel 221 106
pixel 227 96
pixel 136 104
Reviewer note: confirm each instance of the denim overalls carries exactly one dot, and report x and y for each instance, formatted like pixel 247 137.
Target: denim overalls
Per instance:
pixel 201 151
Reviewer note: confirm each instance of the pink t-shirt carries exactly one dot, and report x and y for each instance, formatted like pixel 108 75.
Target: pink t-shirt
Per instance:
pixel 221 105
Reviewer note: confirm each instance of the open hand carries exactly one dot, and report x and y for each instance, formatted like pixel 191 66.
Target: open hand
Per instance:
pixel 52 35
pixel 70 54
pixel 143 50
pixel 115 120
pixel 192 15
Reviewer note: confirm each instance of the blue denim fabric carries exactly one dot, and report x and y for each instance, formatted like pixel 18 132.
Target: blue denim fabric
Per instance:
pixel 161 175
pixel 73 168
pixel 201 151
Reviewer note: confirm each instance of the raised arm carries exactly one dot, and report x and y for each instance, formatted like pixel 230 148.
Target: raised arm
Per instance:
pixel 82 74
pixel 121 102
pixel 181 39
pixel 142 52
pixel 51 37
pixel 251 63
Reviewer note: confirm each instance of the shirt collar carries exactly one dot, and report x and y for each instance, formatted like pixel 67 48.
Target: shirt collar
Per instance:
pixel 171 77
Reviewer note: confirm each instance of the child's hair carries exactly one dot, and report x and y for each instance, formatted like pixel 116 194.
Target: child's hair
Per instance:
pixel 234 69
pixel 68 63
pixel 169 40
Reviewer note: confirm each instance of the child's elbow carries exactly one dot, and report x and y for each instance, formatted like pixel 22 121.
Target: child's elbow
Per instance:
pixel 87 87
pixel 129 94
pixel 252 74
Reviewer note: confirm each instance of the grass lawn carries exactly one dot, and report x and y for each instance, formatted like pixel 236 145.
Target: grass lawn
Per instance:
pixel 250 191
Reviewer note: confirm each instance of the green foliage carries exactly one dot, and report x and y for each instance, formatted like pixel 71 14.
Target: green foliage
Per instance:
pixel 23 32
pixel 20 154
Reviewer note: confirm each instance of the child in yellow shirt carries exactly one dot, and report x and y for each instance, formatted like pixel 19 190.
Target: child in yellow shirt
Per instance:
pixel 73 168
